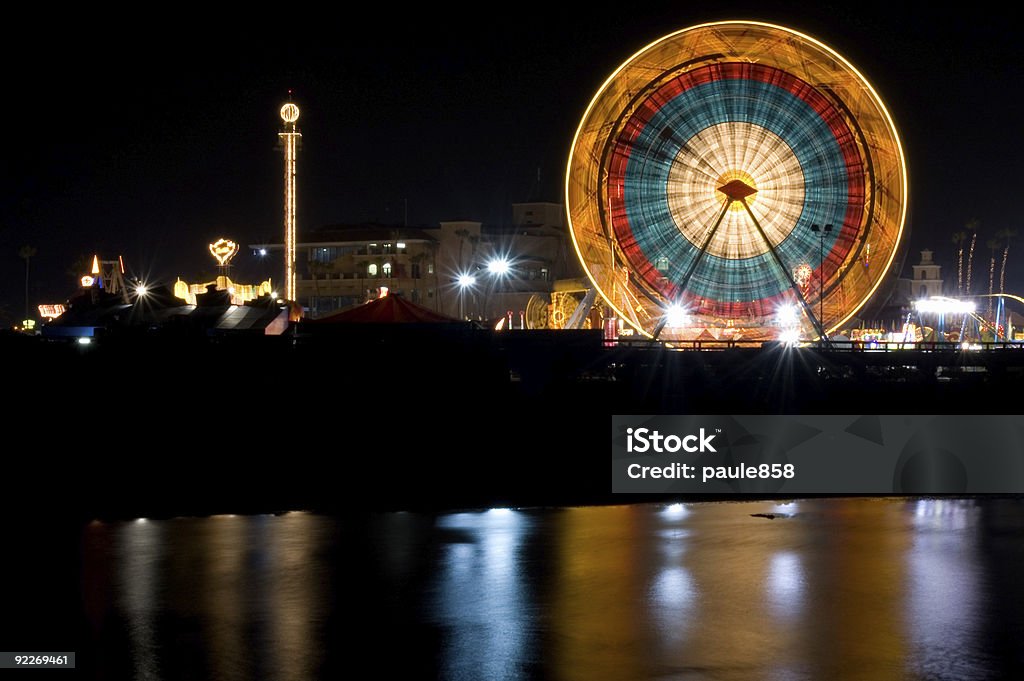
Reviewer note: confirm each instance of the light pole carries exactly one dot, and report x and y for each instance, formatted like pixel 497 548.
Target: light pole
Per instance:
pixel 465 281
pixel 821 232
pixel 499 267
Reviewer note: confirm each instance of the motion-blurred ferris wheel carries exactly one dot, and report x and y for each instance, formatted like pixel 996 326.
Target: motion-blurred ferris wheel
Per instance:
pixel 730 171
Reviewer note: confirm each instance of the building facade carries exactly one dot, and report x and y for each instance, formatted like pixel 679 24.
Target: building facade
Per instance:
pixel 459 268
pixel 925 281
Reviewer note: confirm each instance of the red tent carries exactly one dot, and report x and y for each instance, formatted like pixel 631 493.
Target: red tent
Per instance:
pixel 386 310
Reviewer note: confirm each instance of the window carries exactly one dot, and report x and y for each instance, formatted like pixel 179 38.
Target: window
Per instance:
pixel 430 293
pixel 324 254
pixel 387 268
pixel 371 269
pixel 415 270
pixel 662 265
pixel 401 245
pixel 430 268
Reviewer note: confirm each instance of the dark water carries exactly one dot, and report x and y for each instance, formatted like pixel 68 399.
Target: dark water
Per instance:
pixel 837 589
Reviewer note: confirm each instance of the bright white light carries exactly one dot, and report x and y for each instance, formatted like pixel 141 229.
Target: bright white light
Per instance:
pixel 466 280
pixel 84 340
pixel 141 289
pixel 787 315
pixel 500 511
pixel 273 294
pixel 675 317
pixel 400 244
pixel 263 252
pixel 499 266
pixel 790 336
pixel 674 511
pixel 938 305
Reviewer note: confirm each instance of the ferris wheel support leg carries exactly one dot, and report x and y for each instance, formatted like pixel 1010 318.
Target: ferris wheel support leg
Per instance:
pixel 696 261
pixel 796 289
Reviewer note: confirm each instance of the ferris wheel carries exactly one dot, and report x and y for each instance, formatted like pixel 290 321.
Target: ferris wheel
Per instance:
pixel 737 179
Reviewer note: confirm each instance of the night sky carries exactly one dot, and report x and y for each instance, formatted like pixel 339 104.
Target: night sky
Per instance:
pixel 152 141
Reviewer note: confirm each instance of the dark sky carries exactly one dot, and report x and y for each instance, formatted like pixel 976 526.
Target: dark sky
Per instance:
pixel 152 140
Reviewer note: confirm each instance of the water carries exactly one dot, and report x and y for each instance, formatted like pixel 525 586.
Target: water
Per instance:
pixel 828 589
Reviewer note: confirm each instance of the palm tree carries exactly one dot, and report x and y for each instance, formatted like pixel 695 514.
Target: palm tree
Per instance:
pixel 79 266
pixel 958 240
pixel 27 252
pixel 1005 234
pixel 973 225
pixel 462 234
pixel 993 244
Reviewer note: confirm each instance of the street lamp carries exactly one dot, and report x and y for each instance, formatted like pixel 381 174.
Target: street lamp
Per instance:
pixel 464 281
pixel 499 266
pixel 821 232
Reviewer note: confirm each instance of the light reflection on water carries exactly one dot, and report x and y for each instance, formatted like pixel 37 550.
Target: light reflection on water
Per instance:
pixel 943 561
pixel 838 589
pixel 480 601
pixel 139 552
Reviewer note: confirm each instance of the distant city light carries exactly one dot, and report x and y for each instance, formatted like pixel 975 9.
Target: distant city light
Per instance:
pixel 499 266
pixel 466 280
pixel 263 252
pixel 273 294
pixel 787 315
pixel 88 281
pixel 84 340
pixel 676 317
pixel 401 245
pixel 938 305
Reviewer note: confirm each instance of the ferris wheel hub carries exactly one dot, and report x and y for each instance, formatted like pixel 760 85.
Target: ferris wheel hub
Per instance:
pixel 737 190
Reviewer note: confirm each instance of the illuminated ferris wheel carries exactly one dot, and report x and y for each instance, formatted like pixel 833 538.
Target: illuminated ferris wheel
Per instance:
pixel 736 180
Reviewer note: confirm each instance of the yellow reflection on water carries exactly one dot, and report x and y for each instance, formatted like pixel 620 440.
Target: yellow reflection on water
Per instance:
pixel 297 596
pixel 857 587
pixel 598 602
